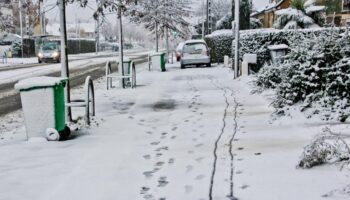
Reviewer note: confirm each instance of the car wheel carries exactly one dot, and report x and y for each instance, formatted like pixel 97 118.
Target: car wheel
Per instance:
pixel 59 60
pixel 39 61
pixel 182 66
pixel 209 65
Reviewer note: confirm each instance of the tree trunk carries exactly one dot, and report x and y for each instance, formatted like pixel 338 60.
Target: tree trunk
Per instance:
pixel 157 37
pixel 244 14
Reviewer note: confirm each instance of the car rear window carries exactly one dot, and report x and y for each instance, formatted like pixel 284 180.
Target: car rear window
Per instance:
pixel 195 48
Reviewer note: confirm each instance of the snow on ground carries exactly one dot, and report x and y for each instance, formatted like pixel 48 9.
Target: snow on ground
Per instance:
pixel 163 140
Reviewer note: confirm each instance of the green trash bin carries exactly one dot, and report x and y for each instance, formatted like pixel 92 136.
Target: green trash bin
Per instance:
pixel 126 71
pixel 43 104
pixel 158 61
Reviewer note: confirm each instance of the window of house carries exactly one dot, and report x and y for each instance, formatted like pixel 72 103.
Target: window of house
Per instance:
pixel 346 5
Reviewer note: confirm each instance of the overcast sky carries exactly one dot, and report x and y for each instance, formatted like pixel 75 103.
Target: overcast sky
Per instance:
pixel 75 12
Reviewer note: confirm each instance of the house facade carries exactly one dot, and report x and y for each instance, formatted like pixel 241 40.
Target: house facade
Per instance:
pixel 338 11
pixel 267 14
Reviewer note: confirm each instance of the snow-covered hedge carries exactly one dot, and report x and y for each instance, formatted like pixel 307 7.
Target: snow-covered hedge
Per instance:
pixel 314 76
pixel 257 41
pixel 219 43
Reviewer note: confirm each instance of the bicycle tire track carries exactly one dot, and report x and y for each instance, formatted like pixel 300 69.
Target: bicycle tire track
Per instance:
pixel 230 143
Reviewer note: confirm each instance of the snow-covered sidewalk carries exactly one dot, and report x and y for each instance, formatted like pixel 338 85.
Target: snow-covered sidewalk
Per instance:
pixel 182 134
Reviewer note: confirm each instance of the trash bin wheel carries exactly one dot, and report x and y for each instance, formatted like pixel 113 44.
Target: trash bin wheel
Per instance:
pixel 64 135
pixel 52 134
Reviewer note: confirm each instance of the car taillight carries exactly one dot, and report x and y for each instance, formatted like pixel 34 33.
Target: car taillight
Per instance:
pixel 206 53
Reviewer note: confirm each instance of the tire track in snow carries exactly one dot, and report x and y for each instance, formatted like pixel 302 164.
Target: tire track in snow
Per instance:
pixel 235 124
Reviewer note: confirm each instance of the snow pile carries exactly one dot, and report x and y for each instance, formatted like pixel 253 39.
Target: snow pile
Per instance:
pixel 325 148
pixel 313 76
pixel 220 44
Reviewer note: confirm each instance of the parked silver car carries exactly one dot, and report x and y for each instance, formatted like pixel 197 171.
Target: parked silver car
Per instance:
pixel 195 52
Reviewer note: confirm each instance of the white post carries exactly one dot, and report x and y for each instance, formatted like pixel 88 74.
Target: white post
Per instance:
pixel 21 24
pixel 120 65
pixel 64 55
pixel 236 65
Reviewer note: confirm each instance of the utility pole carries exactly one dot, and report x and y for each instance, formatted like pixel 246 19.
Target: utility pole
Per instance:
pixel 121 53
pixel 21 24
pixel 236 64
pixel 64 55
pixel 203 27
pixel 97 31
pixel 209 17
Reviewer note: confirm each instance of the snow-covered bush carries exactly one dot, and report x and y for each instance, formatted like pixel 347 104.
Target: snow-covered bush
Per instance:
pixel 255 23
pixel 224 22
pixel 314 75
pixel 219 43
pixel 301 14
pixel 257 41
pixel 325 148
pixel 268 77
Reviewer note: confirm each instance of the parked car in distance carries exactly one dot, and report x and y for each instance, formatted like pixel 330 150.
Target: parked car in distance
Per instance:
pixel 178 51
pixel 195 52
pixel 50 51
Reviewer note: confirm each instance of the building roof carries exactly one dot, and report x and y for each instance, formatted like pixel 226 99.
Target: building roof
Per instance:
pixel 270 7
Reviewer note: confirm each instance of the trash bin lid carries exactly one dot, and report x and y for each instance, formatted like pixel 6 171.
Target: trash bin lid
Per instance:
pixel 39 82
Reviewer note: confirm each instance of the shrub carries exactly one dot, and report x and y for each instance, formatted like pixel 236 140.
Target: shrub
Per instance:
pixel 257 41
pixel 315 74
pixel 219 43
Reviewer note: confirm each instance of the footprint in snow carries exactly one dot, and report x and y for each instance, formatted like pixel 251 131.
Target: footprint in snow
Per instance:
pixel 165 148
pixel 148 197
pixel 159 164
pixel 188 189
pixel 171 161
pixel 162 182
pixel 173 137
pixel 244 187
pixel 155 143
pixel 144 190
pixel 200 177
pixel 199 145
pixel 189 168
pixel 147 157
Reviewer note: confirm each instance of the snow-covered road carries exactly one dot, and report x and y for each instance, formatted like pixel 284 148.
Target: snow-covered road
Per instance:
pixel 190 134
